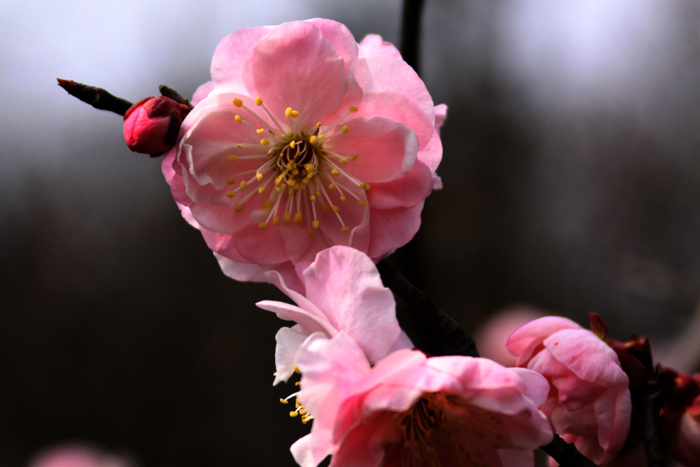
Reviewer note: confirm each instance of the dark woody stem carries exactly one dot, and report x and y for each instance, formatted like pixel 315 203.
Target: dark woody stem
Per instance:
pixel 566 453
pixel 96 97
pixel 410 32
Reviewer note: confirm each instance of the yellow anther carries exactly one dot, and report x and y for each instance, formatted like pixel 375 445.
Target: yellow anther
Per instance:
pixel 342 198
pixel 309 167
pixel 318 193
pixel 238 118
pixel 364 186
pixel 344 129
pixel 331 186
pixel 264 142
pixel 278 180
pixel 258 100
pixel 336 208
pixel 278 189
pixel 318 125
pixel 312 140
pixel 311 233
pixel 262 225
pixel 233 158
pixel 298 383
pixel 288 112
pixel 237 102
pixel 287 217
pixel 294 414
pixel 243 185
pixel 259 176
pixel 297 218
pixel 260 131
pixel 316 224
pixel 335 172
pixel 292 144
pixel 321 136
pixel 266 203
pixel 291 182
pixel 304 412
pixel 276 220
pixel 354 157
pixel 230 194
pixel 312 197
pixel 239 145
pixel 284 401
pixel 297 404
pixel 353 109
pixel 327 208
pixel 362 202
pixel 343 160
pixel 344 229
pixel 231 181
pixel 261 190
pixel 294 114
pixel 238 208
pixel 295 172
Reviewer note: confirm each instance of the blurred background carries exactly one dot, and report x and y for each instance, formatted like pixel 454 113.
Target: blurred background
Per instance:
pixel 572 185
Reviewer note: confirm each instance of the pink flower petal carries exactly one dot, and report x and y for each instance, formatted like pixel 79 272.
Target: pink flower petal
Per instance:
pixel 522 341
pixel 288 342
pixel 230 57
pixel 202 92
pixel 405 192
pixel 392 229
pixel 373 45
pixel 295 66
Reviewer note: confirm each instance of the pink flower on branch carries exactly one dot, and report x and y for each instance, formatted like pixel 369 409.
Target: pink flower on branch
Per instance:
pixel 343 293
pixel 411 410
pixel 152 124
pixel 589 403
pixel 305 139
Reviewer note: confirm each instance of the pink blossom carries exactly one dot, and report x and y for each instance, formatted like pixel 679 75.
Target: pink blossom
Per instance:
pixel 78 455
pixel 152 124
pixel 343 293
pixel 412 410
pixel 305 139
pixel 589 403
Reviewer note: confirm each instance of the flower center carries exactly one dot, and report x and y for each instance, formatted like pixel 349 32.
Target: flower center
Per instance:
pixel 296 171
pixel 441 429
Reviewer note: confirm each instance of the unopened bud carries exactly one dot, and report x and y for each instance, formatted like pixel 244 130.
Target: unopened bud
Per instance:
pixel 151 125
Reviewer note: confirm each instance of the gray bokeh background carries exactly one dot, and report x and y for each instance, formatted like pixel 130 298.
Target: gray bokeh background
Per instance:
pixel 572 183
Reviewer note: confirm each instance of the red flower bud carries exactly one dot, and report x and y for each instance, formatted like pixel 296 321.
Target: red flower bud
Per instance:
pixel 151 125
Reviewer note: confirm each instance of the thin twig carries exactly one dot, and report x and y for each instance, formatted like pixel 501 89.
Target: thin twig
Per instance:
pixel 455 341
pixel 566 454
pixel 174 95
pixel 410 32
pixel 96 97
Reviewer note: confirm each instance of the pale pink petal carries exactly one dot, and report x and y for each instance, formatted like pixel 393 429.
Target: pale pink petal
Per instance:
pixel 392 229
pixel 587 357
pixel 440 115
pixel 614 414
pixel 393 90
pixel 517 457
pixel 260 246
pixel 365 447
pixel 522 341
pixel 310 320
pixel 345 285
pixel 299 246
pixel 288 342
pixel 366 138
pixel 295 66
pixel 230 57
pixel 534 387
pixel 202 92
pixel 373 45
pixel 404 192
pixel 244 272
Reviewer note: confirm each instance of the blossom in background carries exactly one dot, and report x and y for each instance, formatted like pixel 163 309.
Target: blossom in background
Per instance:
pixel 343 293
pixel 78 455
pixel 412 410
pixel 589 403
pixel 680 416
pixel 152 124
pixel 305 139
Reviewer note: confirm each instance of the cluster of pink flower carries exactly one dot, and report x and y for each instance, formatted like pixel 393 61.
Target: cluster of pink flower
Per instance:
pixel 307 159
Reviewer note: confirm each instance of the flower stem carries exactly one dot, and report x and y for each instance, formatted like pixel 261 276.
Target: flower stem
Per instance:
pixel 566 454
pixel 410 32
pixel 96 97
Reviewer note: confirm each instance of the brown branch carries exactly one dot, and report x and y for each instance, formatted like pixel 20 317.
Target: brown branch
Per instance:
pixel 174 95
pixel 566 453
pixel 96 97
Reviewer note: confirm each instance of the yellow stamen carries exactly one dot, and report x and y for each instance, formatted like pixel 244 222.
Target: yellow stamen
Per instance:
pixel 362 202
pixel 312 197
pixel 327 208
pixel 262 225
pixel 311 233
pixel 292 144
pixel 344 229
pixel 239 145
pixel 260 131
pixel 258 100
pixel 238 118
pixel 321 136
pixel 294 114
pixel 312 140
pixel 230 194
pixel 353 109
pixel 294 414
pixel 237 102
pixel 231 181
pixel 335 172
pixel 364 186
pixel 343 160
pixel 284 401
pixel 354 157
pixel 344 129
pixel 243 185
pixel 316 224
pixel 238 208
pixel 343 198
pixel 233 158
pixel 336 208
pixel 297 218
pixel 287 217
pixel 264 142
pixel 278 189
pixel 276 220
pixel 331 186
pixel 259 176
pixel 288 112
pixel 318 125
pixel 261 190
